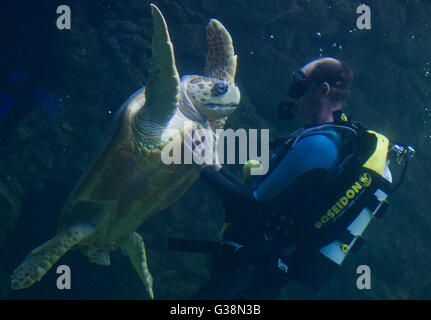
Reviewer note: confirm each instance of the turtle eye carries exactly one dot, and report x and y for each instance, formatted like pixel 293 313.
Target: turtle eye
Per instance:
pixel 220 88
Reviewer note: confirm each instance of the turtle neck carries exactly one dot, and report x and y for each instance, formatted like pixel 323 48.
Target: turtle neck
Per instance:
pixel 186 106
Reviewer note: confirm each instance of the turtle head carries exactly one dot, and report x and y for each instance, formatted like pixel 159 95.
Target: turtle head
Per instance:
pixel 212 98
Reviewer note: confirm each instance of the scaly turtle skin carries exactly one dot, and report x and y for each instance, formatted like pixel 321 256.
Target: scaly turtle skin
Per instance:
pixel 129 182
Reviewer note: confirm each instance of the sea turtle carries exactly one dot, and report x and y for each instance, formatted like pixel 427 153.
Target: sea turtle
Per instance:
pixel 129 183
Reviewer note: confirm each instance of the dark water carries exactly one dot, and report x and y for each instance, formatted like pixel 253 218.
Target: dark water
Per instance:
pixel 60 89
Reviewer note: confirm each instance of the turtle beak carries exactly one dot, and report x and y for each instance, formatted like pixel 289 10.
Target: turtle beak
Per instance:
pixel 236 95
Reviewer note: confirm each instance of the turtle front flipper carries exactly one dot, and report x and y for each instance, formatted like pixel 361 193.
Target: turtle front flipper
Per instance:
pixel 41 259
pixel 134 247
pixel 162 92
pixel 221 59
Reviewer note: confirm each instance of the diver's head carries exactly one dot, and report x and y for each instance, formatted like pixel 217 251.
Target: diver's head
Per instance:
pixel 212 98
pixel 319 88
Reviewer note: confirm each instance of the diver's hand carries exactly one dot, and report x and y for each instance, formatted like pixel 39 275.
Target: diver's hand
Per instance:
pixel 200 142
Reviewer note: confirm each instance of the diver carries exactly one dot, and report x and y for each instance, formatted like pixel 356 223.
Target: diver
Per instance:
pixel 324 185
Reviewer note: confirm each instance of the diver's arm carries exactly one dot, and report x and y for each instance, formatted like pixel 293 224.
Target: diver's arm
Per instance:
pixel 225 185
pixel 229 175
pixel 310 153
pixel 233 195
pixel 316 151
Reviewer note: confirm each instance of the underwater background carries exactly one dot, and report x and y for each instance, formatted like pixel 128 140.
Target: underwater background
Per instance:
pixel 60 89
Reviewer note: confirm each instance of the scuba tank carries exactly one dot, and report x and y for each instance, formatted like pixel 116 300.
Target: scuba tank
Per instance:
pixel 360 190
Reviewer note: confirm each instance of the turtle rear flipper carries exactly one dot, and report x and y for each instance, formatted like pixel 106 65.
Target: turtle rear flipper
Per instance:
pixel 79 220
pixel 41 259
pixel 134 247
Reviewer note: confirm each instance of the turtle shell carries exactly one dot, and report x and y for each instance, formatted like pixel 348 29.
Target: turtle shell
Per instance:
pixel 125 186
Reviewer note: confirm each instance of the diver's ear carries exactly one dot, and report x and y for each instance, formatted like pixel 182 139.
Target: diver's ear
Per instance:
pixel 324 89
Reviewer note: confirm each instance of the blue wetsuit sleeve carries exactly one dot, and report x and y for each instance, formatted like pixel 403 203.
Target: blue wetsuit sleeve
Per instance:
pixel 311 152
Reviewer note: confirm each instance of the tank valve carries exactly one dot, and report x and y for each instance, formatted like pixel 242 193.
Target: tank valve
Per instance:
pixel 400 153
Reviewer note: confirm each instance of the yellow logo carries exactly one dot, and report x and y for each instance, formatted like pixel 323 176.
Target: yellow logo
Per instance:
pixel 365 179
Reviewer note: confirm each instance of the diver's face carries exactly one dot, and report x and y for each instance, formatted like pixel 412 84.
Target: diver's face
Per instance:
pixel 312 96
pixel 304 92
pixel 215 99
pixel 305 105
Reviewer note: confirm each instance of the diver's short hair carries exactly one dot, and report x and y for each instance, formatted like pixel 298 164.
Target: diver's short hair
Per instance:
pixel 333 70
